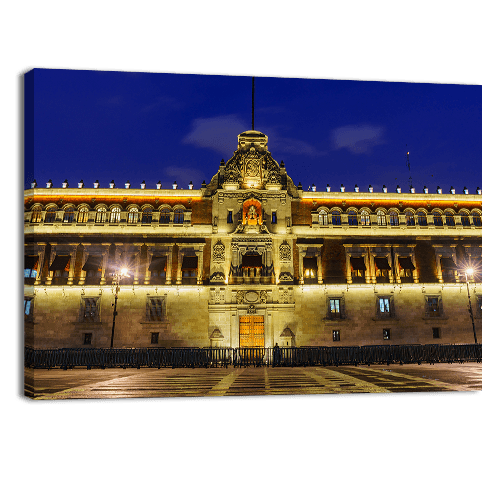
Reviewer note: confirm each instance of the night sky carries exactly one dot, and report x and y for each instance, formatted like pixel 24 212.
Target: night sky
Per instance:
pixel 125 126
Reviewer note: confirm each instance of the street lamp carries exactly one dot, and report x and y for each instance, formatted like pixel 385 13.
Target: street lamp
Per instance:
pixel 122 273
pixel 470 271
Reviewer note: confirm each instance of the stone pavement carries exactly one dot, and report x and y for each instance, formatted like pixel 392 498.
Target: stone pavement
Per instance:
pixel 252 381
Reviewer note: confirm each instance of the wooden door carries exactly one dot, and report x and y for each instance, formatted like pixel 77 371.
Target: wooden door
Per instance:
pixel 251 331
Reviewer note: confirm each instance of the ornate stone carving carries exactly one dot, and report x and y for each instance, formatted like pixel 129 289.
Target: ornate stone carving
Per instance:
pixel 219 252
pixel 285 252
pixel 251 309
pixel 263 296
pixel 240 296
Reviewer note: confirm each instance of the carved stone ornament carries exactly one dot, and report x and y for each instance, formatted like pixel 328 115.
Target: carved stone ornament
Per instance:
pixel 251 309
pixel 240 296
pixel 285 252
pixel 219 252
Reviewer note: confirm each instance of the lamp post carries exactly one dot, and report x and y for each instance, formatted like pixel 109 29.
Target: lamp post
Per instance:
pixel 471 272
pixel 122 273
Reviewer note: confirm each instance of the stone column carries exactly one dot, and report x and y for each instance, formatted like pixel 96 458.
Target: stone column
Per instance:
pixel 301 266
pixel 320 266
pixel 168 273
pixel 41 258
pixel 199 269
pixel 180 257
pixel 83 274
pixel 71 272
pixel 50 274
pixel 104 265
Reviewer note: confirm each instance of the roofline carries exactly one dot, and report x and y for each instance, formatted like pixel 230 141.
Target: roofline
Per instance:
pixel 119 193
pixel 338 196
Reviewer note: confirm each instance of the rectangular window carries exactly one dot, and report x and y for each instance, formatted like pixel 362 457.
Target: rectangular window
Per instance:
pixel 436 334
pixel 386 333
pixel 336 335
pixel 384 306
pixel 87 339
pixel 90 309
pixel 433 306
pixel 28 308
pixel 155 308
pixel 274 218
pixel 229 216
pixel 154 337
pixel 335 308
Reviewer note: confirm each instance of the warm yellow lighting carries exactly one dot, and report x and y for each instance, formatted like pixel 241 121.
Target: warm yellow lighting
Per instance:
pixel 124 271
pixel 470 271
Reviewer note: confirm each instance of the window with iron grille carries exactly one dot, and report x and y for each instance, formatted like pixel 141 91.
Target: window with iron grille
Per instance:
pixel 385 307
pixel 386 333
pixel 450 219
pixel 100 216
pixel 147 215
pixel 133 216
pixel 336 218
pixel 436 333
pixel 365 218
pixel 438 220
pixel 115 215
pixel 322 218
pixel 50 215
pixel 154 337
pixel 433 306
pixel 336 308
pixel 69 215
pixel 336 335
pixel 87 339
pixel 165 216
pixel 36 215
pixel 381 218
pixel 422 218
pixel 476 219
pixel 83 215
pixel 90 310
pixel 28 309
pixel 465 220
pixel 394 218
pixel 155 308
pixel 410 218
pixel 179 216
pixel 352 218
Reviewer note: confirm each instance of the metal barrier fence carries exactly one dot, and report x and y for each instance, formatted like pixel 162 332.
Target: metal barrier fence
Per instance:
pixel 250 356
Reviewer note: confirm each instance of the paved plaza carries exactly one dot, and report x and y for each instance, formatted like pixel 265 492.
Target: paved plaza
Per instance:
pixel 80 383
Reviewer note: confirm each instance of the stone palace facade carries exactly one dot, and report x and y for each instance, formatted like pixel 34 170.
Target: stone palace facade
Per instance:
pixel 250 259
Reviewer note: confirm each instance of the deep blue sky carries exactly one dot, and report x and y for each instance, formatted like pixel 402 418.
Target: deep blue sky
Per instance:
pixel 144 126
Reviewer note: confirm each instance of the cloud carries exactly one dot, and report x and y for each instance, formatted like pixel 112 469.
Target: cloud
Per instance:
pixel 292 146
pixel 358 139
pixel 219 133
pixel 183 176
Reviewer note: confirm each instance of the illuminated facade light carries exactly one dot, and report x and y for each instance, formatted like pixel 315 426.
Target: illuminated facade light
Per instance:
pixel 96 184
pixel 158 185
pixel 49 184
pixel 65 184
pixel 127 185
pixel 143 185
pixel 81 184
pixel 112 185
pixel 174 185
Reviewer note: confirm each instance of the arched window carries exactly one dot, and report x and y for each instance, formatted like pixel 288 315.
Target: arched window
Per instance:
pixel 393 218
pixel 336 220
pixel 69 215
pixel 323 218
pixel 115 216
pixel 465 220
pixel 36 214
pixel 352 218
pixel 365 218
pixel 133 215
pixel 178 216
pixel 438 220
pixel 83 215
pixel 147 215
pixel 100 215
pixel 50 215
pixel 165 216
pixel 422 218
pixel 381 218
pixel 410 218
pixel 476 219
pixel 450 219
